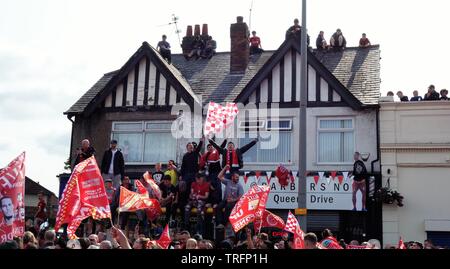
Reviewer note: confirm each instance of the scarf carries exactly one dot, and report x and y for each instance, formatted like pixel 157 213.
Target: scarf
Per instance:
pixel 233 158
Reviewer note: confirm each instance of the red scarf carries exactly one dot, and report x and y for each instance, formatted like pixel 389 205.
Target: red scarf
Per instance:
pixel 235 160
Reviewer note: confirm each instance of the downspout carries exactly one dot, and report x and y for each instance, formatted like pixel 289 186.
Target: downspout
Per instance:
pixel 71 139
pixel 378 140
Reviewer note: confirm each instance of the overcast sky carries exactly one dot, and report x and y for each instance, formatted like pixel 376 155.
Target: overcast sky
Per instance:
pixel 53 51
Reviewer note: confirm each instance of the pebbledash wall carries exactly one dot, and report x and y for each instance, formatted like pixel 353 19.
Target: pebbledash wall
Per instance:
pixel 415 155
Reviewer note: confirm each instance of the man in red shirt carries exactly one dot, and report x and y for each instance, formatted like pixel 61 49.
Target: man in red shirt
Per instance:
pixel 199 195
pixel 255 44
pixel 41 214
pixel 364 42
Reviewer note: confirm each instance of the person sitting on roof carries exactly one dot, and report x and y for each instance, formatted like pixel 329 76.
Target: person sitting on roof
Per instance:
pixel 295 30
pixel 255 44
pixel 197 48
pixel 321 42
pixel 337 41
pixel 164 49
pixel 210 48
pixel 364 42
pixel 403 98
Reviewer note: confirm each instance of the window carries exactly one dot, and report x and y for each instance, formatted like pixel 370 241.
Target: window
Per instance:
pixel 269 149
pixel 145 142
pixel 336 141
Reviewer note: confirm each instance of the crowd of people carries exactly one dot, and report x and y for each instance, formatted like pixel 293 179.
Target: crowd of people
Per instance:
pixel 431 95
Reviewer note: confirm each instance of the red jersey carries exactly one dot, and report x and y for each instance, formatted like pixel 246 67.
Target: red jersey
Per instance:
pixel 41 210
pixel 255 41
pixel 198 189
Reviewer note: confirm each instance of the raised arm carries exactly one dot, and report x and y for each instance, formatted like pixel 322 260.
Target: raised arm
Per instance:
pixel 221 150
pixel 221 175
pixel 249 146
pixel 200 145
pixel 224 144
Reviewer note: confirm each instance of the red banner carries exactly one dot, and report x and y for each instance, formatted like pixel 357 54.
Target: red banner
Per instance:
pixel 269 220
pixel 154 209
pixel 12 191
pixel 251 206
pixel 83 197
pixel 164 240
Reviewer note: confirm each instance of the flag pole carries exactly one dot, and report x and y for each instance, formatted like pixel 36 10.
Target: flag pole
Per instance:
pixel 302 120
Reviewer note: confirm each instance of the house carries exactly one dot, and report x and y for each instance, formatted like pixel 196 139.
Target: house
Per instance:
pixel 415 154
pixel 139 105
pixel 32 189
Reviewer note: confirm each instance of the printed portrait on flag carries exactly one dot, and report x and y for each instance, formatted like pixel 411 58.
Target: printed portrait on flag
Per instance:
pixel 12 206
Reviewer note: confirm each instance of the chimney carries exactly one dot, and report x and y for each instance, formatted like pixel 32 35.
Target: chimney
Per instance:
pixel 189 31
pixel 197 30
pixel 240 50
pixel 205 30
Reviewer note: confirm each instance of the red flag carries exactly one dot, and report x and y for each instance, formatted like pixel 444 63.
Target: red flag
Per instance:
pixel 249 207
pixel 131 201
pixel 269 220
pixel 12 194
pixel 153 209
pixel 330 243
pixel 341 179
pixel 257 174
pixel 401 245
pixel 83 197
pixel 292 226
pixel 156 192
pixel 164 240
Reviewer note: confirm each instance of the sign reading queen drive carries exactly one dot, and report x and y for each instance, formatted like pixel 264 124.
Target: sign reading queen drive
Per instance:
pixel 323 193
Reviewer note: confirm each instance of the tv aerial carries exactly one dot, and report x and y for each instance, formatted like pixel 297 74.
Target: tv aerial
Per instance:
pixel 174 21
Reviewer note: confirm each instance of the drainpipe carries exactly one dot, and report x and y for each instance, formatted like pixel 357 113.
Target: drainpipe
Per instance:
pixel 378 141
pixel 71 138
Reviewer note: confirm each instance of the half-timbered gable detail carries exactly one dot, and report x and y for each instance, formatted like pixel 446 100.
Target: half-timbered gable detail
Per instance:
pixel 145 82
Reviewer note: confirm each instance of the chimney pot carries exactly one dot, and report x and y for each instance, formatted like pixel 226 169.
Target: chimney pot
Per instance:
pixel 189 31
pixel 197 30
pixel 205 29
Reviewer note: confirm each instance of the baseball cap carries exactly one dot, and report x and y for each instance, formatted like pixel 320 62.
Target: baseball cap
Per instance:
pixel 114 142
pixel 108 180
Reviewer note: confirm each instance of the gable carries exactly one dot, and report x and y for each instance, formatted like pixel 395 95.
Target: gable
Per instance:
pixel 146 80
pixel 144 85
pixel 279 82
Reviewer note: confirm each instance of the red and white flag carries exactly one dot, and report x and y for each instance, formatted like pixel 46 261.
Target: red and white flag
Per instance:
pixel 12 194
pixel 269 220
pixel 83 197
pixel 164 240
pixel 250 207
pixel 154 188
pixel 219 117
pixel 131 201
pixel 401 245
pixel 292 226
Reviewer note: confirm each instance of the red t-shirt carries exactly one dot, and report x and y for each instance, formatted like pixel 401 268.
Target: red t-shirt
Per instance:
pixel 198 189
pixel 364 42
pixel 255 41
pixel 41 210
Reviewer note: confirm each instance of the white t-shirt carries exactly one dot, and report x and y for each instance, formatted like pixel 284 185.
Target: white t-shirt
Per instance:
pixel 111 166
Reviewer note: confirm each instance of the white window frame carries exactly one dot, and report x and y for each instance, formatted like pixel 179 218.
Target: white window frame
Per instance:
pixel 254 133
pixel 330 130
pixel 143 131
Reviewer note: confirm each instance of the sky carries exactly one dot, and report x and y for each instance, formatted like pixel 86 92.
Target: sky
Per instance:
pixel 53 51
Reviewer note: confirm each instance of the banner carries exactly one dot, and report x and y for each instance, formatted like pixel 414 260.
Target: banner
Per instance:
pixel 154 188
pixel 12 193
pixel 83 197
pixel 269 220
pixel 251 206
pixel 219 117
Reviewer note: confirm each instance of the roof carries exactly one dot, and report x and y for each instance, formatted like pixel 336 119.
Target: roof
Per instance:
pixel 86 99
pixel 34 188
pixel 211 78
pixel 358 69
